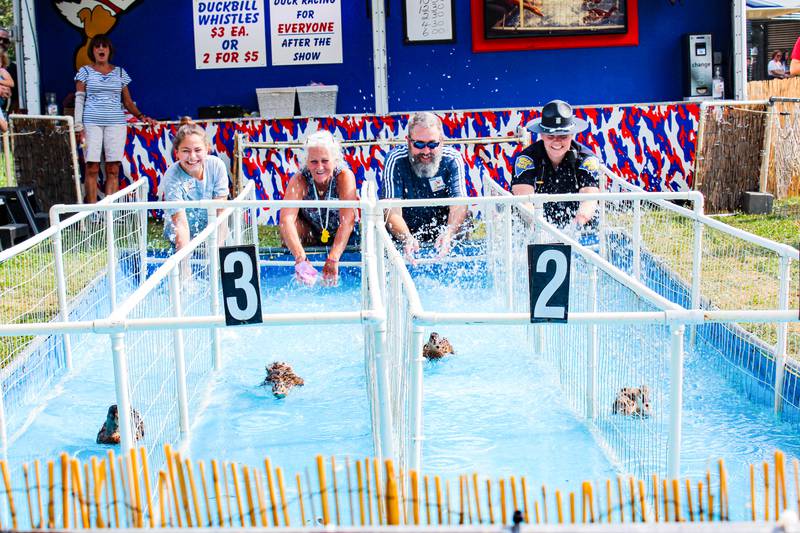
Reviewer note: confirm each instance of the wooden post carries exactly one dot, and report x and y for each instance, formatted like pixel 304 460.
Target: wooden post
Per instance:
pixel 323 491
pixel 217 492
pixel 282 491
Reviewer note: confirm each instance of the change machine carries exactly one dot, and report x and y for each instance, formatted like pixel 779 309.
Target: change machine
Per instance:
pixel 698 65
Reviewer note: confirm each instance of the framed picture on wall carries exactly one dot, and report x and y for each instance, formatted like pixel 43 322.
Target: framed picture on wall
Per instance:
pixel 499 25
pixel 429 21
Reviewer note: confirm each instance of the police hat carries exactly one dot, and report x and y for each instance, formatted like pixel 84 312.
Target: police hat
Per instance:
pixel 557 119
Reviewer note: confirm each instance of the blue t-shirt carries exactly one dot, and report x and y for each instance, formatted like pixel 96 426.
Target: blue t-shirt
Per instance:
pixel 400 182
pixel 180 186
pixel 103 105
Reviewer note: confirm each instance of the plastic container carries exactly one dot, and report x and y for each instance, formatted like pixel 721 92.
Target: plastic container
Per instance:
pixel 317 100
pixel 276 102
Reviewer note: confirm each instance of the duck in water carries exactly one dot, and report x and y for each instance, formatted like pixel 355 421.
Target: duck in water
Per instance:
pixel 109 433
pixel 282 378
pixel 436 347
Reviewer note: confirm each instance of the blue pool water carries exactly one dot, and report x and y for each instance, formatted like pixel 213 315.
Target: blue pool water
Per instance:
pixel 492 408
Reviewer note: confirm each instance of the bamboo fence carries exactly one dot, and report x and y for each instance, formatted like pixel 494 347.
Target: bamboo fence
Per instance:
pixel 120 492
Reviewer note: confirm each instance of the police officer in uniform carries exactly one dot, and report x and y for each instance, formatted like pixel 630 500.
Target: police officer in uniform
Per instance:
pixel 556 164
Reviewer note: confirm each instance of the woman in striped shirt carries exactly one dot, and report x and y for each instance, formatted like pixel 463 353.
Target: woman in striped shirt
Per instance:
pixel 101 91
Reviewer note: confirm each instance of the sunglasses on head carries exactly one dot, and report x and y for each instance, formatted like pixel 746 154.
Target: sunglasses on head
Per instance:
pixel 419 145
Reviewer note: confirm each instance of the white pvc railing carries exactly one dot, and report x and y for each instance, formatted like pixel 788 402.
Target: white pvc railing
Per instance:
pixel 391 309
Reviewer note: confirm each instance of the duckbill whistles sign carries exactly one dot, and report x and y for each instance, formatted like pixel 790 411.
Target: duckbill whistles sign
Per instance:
pixel 229 33
pixel 306 31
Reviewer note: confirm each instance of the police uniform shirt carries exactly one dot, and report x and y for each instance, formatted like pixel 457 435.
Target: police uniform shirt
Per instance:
pixel 579 168
pixel 400 182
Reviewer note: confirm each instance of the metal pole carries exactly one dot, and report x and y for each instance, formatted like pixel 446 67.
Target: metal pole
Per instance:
pixel 697 265
pixel 780 346
pixel 676 401
pixel 213 265
pixel 61 285
pixel 602 217
pixel 739 16
pixel 111 255
pixel 3 428
pixel 509 257
pixel 11 181
pixel 387 450
pixel 379 58
pixel 123 394
pixel 141 193
pixel 177 343
pixel 591 396
pixel 637 239
pixel 415 357
pixel 766 150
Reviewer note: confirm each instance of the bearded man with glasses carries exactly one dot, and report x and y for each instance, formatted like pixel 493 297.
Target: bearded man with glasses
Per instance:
pixel 556 164
pixel 424 168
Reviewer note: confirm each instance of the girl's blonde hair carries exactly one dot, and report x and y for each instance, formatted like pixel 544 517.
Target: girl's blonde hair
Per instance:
pixel 325 139
pixel 188 128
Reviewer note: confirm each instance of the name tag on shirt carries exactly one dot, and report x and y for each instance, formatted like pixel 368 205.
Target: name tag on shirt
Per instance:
pixel 437 183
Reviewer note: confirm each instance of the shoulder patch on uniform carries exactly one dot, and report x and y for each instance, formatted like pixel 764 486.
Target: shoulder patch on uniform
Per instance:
pixel 522 164
pixel 592 164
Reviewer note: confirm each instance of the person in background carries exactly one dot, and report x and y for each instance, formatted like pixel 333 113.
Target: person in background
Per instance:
pixel 775 69
pixel 101 90
pixel 794 65
pixel 325 176
pixel 425 168
pixel 7 83
pixel 11 95
pixel 195 175
pixel 556 164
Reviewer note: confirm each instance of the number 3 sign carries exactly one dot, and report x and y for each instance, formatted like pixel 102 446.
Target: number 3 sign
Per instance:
pixel 240 285
pixel 548 275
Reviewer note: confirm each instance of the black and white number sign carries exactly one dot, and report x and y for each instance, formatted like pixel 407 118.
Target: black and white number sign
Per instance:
pixel 548 274
pixel 240 285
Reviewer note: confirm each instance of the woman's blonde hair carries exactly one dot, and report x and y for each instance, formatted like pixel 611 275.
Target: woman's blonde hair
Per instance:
pixel 324 139
pixel 186 129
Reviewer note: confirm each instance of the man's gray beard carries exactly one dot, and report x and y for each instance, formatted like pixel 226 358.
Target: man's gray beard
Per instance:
pixel 425 170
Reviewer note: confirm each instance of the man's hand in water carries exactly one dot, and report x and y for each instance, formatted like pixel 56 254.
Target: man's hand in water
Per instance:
pixel 410 249
pixel 443 242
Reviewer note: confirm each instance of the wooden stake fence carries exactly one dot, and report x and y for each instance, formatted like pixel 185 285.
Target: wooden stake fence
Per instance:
pixel 94 492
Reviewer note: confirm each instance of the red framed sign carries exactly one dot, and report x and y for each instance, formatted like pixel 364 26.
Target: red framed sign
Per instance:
pixel 505 25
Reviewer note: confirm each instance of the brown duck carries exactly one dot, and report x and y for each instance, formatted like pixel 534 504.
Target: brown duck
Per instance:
pixel 109 433
pixel 282 378
pixel 633 401
pixel 436 347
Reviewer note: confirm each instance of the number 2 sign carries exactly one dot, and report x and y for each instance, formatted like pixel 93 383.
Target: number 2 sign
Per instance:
pixel 548 275
pixel 240 285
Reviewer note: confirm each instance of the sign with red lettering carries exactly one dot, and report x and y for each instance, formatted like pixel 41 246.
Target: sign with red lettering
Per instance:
pixel 229 33
pixel 306 31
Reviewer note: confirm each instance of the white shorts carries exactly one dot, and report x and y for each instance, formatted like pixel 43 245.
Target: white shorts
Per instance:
pixel 110 139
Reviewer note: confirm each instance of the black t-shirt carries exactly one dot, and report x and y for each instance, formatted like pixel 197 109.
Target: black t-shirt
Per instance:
pixel 580 168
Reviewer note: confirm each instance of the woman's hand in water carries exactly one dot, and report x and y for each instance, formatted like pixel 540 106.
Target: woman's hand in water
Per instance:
pixel 330 272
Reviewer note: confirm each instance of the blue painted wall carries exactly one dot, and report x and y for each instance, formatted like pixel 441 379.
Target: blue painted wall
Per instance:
pixel 154 43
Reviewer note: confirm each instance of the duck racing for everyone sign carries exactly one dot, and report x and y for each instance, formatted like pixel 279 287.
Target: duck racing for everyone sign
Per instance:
pixel 305 32
pixel 229 34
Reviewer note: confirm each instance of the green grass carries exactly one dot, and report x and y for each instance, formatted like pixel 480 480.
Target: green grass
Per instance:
pixel 782 226
pixel 268 236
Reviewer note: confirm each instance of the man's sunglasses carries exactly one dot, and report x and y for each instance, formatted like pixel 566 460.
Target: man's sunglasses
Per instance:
pixel 419 145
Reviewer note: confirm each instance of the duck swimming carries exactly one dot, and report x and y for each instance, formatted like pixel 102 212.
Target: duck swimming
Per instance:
pixel 109 433
pixel 282 378
pixel 436 347
pixel 633 401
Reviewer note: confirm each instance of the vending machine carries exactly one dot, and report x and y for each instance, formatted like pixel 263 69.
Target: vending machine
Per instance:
pixel 698 74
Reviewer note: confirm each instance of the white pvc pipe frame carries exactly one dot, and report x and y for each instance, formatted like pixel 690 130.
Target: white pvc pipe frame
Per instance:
pixel 674 316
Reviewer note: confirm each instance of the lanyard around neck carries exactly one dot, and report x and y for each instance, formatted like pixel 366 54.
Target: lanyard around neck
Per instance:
pixel 327 197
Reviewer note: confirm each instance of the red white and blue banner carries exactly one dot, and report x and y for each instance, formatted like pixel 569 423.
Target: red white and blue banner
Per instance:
pixel 653 146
